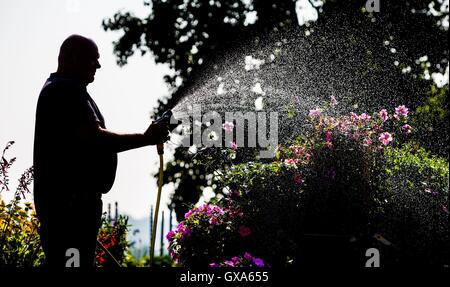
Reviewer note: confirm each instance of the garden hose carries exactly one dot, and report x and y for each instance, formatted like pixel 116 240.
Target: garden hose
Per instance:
pixel 160 148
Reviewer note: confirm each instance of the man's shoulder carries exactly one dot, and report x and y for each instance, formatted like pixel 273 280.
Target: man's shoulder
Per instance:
pixel 62 85
pixel 61 90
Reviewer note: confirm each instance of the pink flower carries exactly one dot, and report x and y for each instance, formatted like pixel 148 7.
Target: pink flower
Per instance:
pixel 315 113
pixel 290 162
pixel 233 146
pixel 258 262
pixel 354 116
pixel 244 231
pixel 384 115
pixel 307 156
pixel 228 126
pixel 328 136
pixel 401 110
pixel 189 213
pixel 407 128
pixel 298 178
pixel 235 259
pixel 183 229
pixel 213 265
pixel 430 191
pixel 333 101
pixel 213 221
pixel 385 138
pixel 367 142
pixel 364 117
pixel 170 235
pixel 299 151
pixel 229 263
pixel 248 256
pixel 187 231
pixel 218 210
pixel 173 254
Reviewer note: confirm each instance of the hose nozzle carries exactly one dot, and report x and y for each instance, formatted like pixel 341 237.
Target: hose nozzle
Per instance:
pixel 167 117
pixel 160 148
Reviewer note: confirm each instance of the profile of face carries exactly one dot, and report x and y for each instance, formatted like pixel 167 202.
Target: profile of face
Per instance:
pixel 89 63
pixel 79 57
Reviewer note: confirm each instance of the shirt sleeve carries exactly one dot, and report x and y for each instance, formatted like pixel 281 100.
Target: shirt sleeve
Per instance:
pixel 87 114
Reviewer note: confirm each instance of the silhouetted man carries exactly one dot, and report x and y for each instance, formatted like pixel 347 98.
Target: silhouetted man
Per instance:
pixel 75 156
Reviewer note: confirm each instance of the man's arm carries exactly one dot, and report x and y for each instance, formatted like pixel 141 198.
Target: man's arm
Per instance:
pixel 103 138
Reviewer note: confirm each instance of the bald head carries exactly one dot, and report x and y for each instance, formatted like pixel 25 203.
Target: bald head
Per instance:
pixel 78 57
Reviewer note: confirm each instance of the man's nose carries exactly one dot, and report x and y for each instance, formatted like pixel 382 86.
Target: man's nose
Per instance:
pixel 98 66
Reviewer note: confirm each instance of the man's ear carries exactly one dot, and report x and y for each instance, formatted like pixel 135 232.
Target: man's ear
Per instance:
pixel 74 61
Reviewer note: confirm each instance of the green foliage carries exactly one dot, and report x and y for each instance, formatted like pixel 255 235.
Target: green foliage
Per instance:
pixel 113 237
pixel 144 261
pixel 432 121
pixel 436 103
pixel 423 169
pixel 161 261
pixel 19 239
pixel 413 185
pixel 190 178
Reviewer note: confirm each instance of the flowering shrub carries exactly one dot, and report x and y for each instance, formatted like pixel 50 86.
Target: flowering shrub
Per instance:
pixel 20 244
pixel 206 235
pixel 112 236
pixel 247 260
pixel 19 240
pixel 329 191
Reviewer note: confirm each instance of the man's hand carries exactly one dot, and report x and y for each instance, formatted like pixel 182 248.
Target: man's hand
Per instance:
pixel 157 133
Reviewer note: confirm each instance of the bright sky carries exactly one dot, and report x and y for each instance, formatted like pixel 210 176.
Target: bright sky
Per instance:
pixel 32 32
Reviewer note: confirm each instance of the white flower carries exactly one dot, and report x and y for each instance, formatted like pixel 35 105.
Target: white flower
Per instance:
pixel 259 103
pixel 220 89
pixel 257 89
pixel 252 63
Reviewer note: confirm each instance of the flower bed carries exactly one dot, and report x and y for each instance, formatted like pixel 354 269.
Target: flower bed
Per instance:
pixel 354 182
